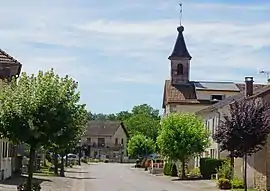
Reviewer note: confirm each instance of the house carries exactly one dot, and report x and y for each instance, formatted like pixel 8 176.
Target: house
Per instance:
pixel 9 67
pixel 259 163
pixel 106 139
pixel 183 95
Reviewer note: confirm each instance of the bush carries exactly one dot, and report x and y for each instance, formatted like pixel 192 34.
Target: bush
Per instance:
pixel 167 169
pixel 106 161
pixel 224 184
pixel 209 166
pixel 224 171
pixel 84 160
pixel 174 172
pixel 237 183
pixel 194 173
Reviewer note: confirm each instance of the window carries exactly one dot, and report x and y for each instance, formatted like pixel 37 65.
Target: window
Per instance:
pixel 180 69
pixel 212 153
pixel 122 141
pixel 217 97
pixel 173 109
pixel 88 140
pixel 116 141
pixel 101 142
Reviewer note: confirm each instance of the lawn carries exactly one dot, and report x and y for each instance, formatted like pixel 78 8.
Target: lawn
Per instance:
pixel 44 171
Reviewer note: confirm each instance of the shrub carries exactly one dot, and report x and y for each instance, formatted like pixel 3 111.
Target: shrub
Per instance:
pixel 224 171
pixel 84 160
pixel 106 161
pixel 224 184
pixel 167 169
pixel 194 173
pixel 174 172
pixel 209 166
pixel 237 183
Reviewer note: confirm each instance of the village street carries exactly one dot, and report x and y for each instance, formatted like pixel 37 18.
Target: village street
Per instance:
pixel 122 177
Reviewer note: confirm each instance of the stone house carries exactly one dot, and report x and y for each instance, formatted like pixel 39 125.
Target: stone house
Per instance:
pixel 9 67
pixel 106 139
pixel 259 163
pixel 183 95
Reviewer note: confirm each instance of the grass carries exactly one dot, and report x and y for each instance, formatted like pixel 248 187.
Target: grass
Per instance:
pixel 44 171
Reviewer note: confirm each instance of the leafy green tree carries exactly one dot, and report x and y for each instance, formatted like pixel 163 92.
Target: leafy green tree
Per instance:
pixel 140 145
pixel 30 110
pixel 182 136
pixel 123 115
pixel 143 124
pixel 147 110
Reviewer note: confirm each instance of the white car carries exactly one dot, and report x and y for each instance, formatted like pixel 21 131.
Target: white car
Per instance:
pixel 72 157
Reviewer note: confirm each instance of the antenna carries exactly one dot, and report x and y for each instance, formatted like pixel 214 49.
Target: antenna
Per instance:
pixel 181 12
pixel 267 73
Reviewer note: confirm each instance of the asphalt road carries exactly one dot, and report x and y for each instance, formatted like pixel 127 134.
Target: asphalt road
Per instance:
pixel 122 177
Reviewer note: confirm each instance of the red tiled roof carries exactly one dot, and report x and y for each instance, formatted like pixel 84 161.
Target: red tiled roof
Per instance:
pixel 184 94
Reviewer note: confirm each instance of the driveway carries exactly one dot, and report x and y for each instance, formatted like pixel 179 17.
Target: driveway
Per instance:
pixel 122 177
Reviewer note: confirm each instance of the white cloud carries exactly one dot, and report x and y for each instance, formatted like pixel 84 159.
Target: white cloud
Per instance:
pixel 99 51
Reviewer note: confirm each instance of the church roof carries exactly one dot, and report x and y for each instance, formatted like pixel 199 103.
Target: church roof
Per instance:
pixel 180 48
pixel 258 89
pixel 184 94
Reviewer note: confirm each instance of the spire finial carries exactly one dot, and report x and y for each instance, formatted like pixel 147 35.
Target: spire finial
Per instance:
pixel 181 11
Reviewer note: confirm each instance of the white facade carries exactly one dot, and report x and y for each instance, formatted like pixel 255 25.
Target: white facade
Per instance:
pixel 211 122
pixel 5 160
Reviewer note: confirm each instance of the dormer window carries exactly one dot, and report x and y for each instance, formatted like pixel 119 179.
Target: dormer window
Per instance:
pixel 217 97
pixel 180 69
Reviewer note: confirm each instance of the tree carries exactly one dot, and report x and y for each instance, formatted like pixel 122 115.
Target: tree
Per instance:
pixel 140 145
pixel 182 135
pixel 142 124
pixel 30 110
pixel 143 120
pixel 245 130
pixel 147 110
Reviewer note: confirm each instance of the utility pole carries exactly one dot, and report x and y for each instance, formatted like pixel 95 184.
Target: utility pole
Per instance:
pixel 267 73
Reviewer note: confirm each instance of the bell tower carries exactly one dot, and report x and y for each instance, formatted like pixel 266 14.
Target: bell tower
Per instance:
pixel 180 60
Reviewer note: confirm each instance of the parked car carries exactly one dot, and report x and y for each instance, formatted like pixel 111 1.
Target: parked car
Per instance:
pixel 72 157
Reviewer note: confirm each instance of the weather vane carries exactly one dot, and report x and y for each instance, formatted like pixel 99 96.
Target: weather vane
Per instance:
pixel 181 11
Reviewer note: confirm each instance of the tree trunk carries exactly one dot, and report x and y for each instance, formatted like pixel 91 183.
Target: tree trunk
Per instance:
pixel 66 161
pixel 30 167
pixel 183 173
pixel 55 161
pixel 62 168
pixel 245 172
pixel 232 166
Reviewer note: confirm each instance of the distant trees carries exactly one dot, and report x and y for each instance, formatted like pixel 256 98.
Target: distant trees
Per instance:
pixel 140 145
pixel 182 135
pixel 245 130
pixel 37 110
pixel 143 119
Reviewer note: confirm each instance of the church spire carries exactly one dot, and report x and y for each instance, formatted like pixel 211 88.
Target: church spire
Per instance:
pixel 180 48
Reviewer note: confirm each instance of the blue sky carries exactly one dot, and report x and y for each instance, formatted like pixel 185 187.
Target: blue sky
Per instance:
pixel 118 50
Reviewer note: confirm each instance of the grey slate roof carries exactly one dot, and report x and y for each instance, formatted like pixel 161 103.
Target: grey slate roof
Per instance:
pixel 226 86
pixel 103 128
pixel 257 91
pixel 180 48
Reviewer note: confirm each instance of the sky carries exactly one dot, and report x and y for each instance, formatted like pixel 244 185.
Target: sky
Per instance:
pixel 118 50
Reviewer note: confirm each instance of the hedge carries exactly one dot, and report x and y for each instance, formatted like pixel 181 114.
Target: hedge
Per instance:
pixel 209 166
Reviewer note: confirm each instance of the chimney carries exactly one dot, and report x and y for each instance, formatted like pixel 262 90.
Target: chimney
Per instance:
pixel 249 86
